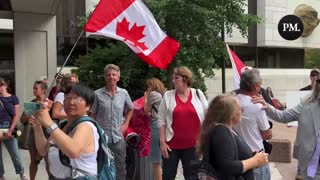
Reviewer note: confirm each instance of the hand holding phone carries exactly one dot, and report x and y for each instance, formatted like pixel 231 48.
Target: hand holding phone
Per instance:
pixel 31 107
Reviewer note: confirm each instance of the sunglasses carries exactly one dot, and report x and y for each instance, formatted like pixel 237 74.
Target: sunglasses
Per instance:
pixel 313 75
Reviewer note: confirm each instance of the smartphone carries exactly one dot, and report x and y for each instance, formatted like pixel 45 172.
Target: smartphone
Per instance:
pixel 31 107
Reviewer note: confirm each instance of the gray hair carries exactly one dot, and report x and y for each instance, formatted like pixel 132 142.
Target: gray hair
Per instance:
pixel 249 78
pixel 112 67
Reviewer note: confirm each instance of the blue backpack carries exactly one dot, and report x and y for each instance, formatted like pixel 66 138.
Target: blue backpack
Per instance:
pixel 105 160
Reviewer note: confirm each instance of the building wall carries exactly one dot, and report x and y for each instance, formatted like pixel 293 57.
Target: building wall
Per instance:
pixel 35 51
pixel 280 80
pixel 272 11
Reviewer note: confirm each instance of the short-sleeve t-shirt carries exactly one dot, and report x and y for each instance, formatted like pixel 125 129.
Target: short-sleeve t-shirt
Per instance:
pixel 253 120
pixel 8 112
pixel 59 98
pixel 154 100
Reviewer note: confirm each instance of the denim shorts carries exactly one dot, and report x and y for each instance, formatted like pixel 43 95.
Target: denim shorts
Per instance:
pixel 155 154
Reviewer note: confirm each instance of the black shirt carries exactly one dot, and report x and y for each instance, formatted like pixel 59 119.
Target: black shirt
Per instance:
pixel 222 154
pixel 307 88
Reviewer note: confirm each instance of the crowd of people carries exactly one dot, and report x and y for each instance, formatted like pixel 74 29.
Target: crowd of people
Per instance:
pixel 231 131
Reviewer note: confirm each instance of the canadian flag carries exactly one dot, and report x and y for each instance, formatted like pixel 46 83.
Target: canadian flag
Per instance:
pixel 237 67
pixel 131 21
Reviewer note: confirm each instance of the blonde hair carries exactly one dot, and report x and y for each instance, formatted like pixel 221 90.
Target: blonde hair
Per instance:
pixel 66 81
pixel 220 111
pixel 185 73
pixel 156 85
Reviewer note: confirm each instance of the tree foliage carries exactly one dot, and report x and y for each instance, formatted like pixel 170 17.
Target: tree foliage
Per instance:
pixel 312 58
pixel 196 24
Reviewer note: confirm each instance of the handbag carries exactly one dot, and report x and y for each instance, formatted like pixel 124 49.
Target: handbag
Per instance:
pixel 203 170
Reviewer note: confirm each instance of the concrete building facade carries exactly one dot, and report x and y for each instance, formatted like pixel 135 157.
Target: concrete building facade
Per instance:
pixel 32 40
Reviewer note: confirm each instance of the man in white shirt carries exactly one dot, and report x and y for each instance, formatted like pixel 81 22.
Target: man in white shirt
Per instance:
pixel 254 126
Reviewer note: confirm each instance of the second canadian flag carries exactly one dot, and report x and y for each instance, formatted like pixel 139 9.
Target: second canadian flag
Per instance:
pixel 131 22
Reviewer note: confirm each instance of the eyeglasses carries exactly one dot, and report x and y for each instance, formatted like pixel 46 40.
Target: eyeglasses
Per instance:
pixel 75 99
pixel 312 75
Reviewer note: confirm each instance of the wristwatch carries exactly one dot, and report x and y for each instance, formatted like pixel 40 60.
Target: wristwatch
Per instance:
pixel 51 128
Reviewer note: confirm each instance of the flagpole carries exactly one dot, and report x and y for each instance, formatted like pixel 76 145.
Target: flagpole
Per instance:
pixel 60 70
pixel 223 68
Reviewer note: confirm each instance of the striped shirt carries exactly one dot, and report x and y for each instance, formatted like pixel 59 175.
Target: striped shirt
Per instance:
pixel 109 111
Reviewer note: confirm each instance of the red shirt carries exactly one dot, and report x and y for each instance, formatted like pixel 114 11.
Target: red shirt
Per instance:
pixel 185 125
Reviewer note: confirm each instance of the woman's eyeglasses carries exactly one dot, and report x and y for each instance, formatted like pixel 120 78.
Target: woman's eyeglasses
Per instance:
pixel 75 99
pixel 313 75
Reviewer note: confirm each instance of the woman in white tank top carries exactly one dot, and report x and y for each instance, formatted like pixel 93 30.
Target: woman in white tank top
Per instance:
pixel 80 145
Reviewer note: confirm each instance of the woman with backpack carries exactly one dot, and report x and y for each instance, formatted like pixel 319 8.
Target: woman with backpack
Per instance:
pixel 152 99
pixel 80 145
pixel 226 152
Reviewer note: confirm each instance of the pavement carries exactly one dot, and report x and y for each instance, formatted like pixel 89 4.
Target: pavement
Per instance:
pixel 279 171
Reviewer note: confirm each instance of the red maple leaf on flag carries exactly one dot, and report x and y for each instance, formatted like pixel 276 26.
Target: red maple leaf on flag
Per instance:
pixel 133 35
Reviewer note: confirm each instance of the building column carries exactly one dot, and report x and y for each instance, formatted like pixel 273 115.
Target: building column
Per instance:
pixel 35 51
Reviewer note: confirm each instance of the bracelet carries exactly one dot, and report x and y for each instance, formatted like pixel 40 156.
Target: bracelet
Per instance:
pixel 51 128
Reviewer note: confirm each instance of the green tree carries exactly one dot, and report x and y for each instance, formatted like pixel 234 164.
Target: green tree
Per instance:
pixel 133 70
pixel 312 58
pixel 196 24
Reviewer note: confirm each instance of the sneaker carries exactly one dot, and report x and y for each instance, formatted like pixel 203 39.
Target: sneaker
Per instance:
pixel 2 178
pixel 23 177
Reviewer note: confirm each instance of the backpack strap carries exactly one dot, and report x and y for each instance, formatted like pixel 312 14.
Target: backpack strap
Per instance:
pixel 65 160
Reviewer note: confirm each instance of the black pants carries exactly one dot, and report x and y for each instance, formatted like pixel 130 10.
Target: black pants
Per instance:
pixel 169 166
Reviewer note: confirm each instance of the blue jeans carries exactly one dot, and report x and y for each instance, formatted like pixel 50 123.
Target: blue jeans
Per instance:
pixel 13 149
pixel 262 173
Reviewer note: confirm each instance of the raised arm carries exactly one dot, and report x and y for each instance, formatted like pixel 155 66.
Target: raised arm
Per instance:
pixel 284 116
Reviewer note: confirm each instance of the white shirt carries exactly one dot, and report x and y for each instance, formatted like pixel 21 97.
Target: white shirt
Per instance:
pixel 59 98
pixel 253 120
pixel 168 104
pixel 86 162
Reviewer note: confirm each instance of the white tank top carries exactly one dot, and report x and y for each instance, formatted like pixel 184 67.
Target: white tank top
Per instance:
pixel 86 162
